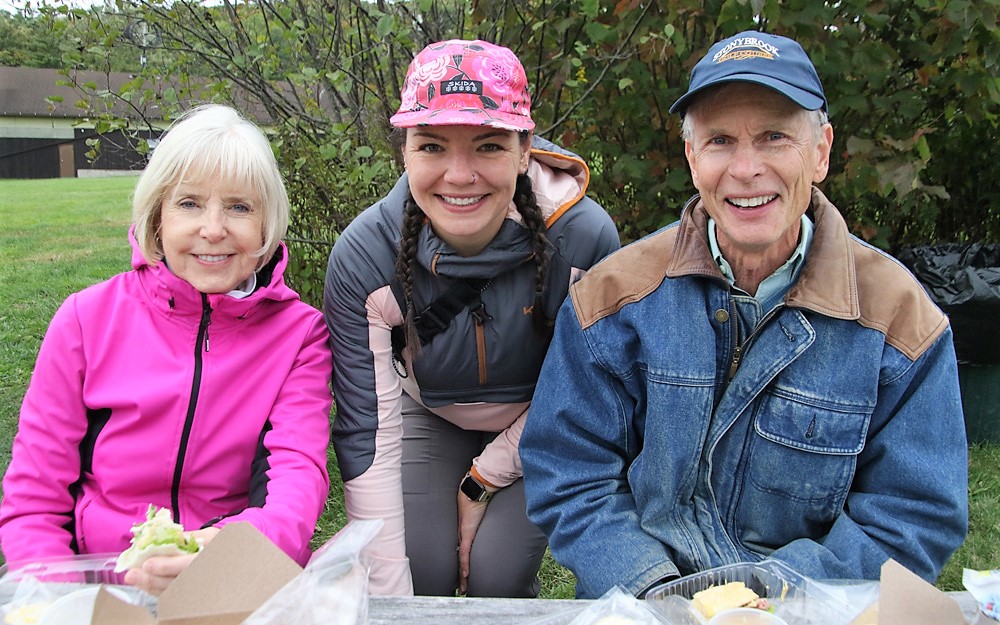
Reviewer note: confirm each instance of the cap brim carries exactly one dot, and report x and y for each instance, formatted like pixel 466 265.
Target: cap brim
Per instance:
pixel 806 99
pixel 462 117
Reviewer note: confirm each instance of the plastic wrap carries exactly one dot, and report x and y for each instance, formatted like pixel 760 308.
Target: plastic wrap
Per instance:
pixel 52 590
pixel 331 590
pixel 616 607
pixel 984 586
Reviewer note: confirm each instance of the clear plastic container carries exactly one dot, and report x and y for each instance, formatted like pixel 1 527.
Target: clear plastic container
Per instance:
pixel 794 598
pixel 84 569
pixel 745 616
pixel 48 580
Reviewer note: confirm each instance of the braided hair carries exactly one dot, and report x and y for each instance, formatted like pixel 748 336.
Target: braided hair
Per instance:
pixel 527 206
pixel 406 259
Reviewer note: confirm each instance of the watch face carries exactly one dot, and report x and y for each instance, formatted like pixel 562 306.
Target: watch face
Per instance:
pixel 473 490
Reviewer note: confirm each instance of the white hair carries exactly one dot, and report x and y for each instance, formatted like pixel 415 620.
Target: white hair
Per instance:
pixel 817 118
pixel 211 140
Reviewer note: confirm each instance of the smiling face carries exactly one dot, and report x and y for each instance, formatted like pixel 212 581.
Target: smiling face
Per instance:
pixel 211 230
pixel 463 178
pixel 754 155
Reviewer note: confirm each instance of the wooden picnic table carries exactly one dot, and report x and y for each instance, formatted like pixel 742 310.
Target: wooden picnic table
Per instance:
pixel 464 610
pixel 476 611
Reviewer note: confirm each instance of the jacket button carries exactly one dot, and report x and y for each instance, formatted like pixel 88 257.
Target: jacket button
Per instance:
pixel 722 315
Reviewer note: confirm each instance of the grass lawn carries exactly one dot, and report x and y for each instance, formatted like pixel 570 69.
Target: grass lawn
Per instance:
pixel 59 236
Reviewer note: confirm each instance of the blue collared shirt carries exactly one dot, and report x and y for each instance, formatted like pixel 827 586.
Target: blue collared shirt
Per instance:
pixel 772 290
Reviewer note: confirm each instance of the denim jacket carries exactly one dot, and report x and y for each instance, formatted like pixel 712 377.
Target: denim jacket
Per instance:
pixel 661 443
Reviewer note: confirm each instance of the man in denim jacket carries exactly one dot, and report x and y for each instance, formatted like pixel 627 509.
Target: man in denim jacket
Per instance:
pixel 751 382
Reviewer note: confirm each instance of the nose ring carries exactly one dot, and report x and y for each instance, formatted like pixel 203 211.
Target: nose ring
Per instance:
pixel 475 178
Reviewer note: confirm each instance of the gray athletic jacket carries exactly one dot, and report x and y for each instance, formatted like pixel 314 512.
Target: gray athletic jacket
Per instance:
pixel 478 383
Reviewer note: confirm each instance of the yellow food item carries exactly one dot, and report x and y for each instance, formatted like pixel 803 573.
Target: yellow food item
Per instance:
pixel 27 614
pixel 713 600
pixel 867 617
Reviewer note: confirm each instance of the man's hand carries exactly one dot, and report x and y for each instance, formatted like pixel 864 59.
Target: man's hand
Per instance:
pixel 470 515
pixel 156 573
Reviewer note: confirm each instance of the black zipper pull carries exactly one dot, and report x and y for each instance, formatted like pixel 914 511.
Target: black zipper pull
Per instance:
pixel 206 318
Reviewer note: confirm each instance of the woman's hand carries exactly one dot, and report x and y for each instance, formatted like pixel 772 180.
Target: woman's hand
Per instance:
pixel 470 515
pixel 156 573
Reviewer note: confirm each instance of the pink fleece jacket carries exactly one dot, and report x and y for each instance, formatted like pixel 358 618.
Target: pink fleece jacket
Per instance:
pixel 147 391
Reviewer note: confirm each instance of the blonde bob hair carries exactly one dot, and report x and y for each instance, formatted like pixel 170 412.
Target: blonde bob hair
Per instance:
pixel 216 141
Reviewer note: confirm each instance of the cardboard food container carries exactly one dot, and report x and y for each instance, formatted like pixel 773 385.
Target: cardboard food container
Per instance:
pixel 906 599
pixel 232 576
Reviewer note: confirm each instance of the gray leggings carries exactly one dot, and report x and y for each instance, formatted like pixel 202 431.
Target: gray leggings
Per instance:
pixel 508 549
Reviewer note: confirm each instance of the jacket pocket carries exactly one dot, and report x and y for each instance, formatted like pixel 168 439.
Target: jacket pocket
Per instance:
pixel 800 465
pixel 81 517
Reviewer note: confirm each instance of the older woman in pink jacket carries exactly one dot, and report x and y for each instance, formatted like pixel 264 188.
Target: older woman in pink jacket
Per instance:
pixel 197 382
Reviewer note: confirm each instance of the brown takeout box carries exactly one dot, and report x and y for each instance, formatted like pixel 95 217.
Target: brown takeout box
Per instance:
pixel 236 572
pixel 906 599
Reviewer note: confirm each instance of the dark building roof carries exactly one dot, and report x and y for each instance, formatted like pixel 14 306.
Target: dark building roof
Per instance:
pixel 24 92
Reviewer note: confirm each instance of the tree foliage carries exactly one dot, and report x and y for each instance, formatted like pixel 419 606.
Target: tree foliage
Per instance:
pixel 26 42
pixel 913 87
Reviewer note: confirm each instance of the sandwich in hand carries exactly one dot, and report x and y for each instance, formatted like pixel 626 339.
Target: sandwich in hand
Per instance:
pixel 157 536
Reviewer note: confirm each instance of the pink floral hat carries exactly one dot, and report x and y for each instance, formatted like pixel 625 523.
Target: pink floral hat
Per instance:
pixel 468 83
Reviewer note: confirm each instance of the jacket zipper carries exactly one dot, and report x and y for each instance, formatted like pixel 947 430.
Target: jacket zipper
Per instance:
pixel 734 363
pixel 200 343
pixel 480 316
pixel 739 348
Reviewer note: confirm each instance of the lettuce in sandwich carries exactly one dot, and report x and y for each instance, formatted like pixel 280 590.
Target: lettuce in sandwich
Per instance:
pixel 157 536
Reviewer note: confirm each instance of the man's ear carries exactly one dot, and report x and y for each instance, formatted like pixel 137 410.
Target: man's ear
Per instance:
pixel 689 154
pixel 824 146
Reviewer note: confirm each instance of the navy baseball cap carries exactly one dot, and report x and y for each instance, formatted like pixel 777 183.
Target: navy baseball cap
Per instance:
pixel 770 60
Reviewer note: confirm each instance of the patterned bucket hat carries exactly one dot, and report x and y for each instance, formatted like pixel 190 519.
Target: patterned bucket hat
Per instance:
pixel 468 83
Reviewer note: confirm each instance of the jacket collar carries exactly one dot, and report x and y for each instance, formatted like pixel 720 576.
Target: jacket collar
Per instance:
pixel 174 295
pixel 509 248
pixel 827 283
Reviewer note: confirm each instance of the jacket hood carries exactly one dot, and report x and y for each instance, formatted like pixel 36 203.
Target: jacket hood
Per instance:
pixel 560 179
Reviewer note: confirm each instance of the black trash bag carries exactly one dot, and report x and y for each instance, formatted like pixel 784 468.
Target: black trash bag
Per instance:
pixel 964 280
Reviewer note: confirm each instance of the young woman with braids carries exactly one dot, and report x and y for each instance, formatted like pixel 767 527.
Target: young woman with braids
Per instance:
pixel 440 298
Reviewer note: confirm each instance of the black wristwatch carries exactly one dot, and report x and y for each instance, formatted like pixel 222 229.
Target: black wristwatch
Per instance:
pixel 474 490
